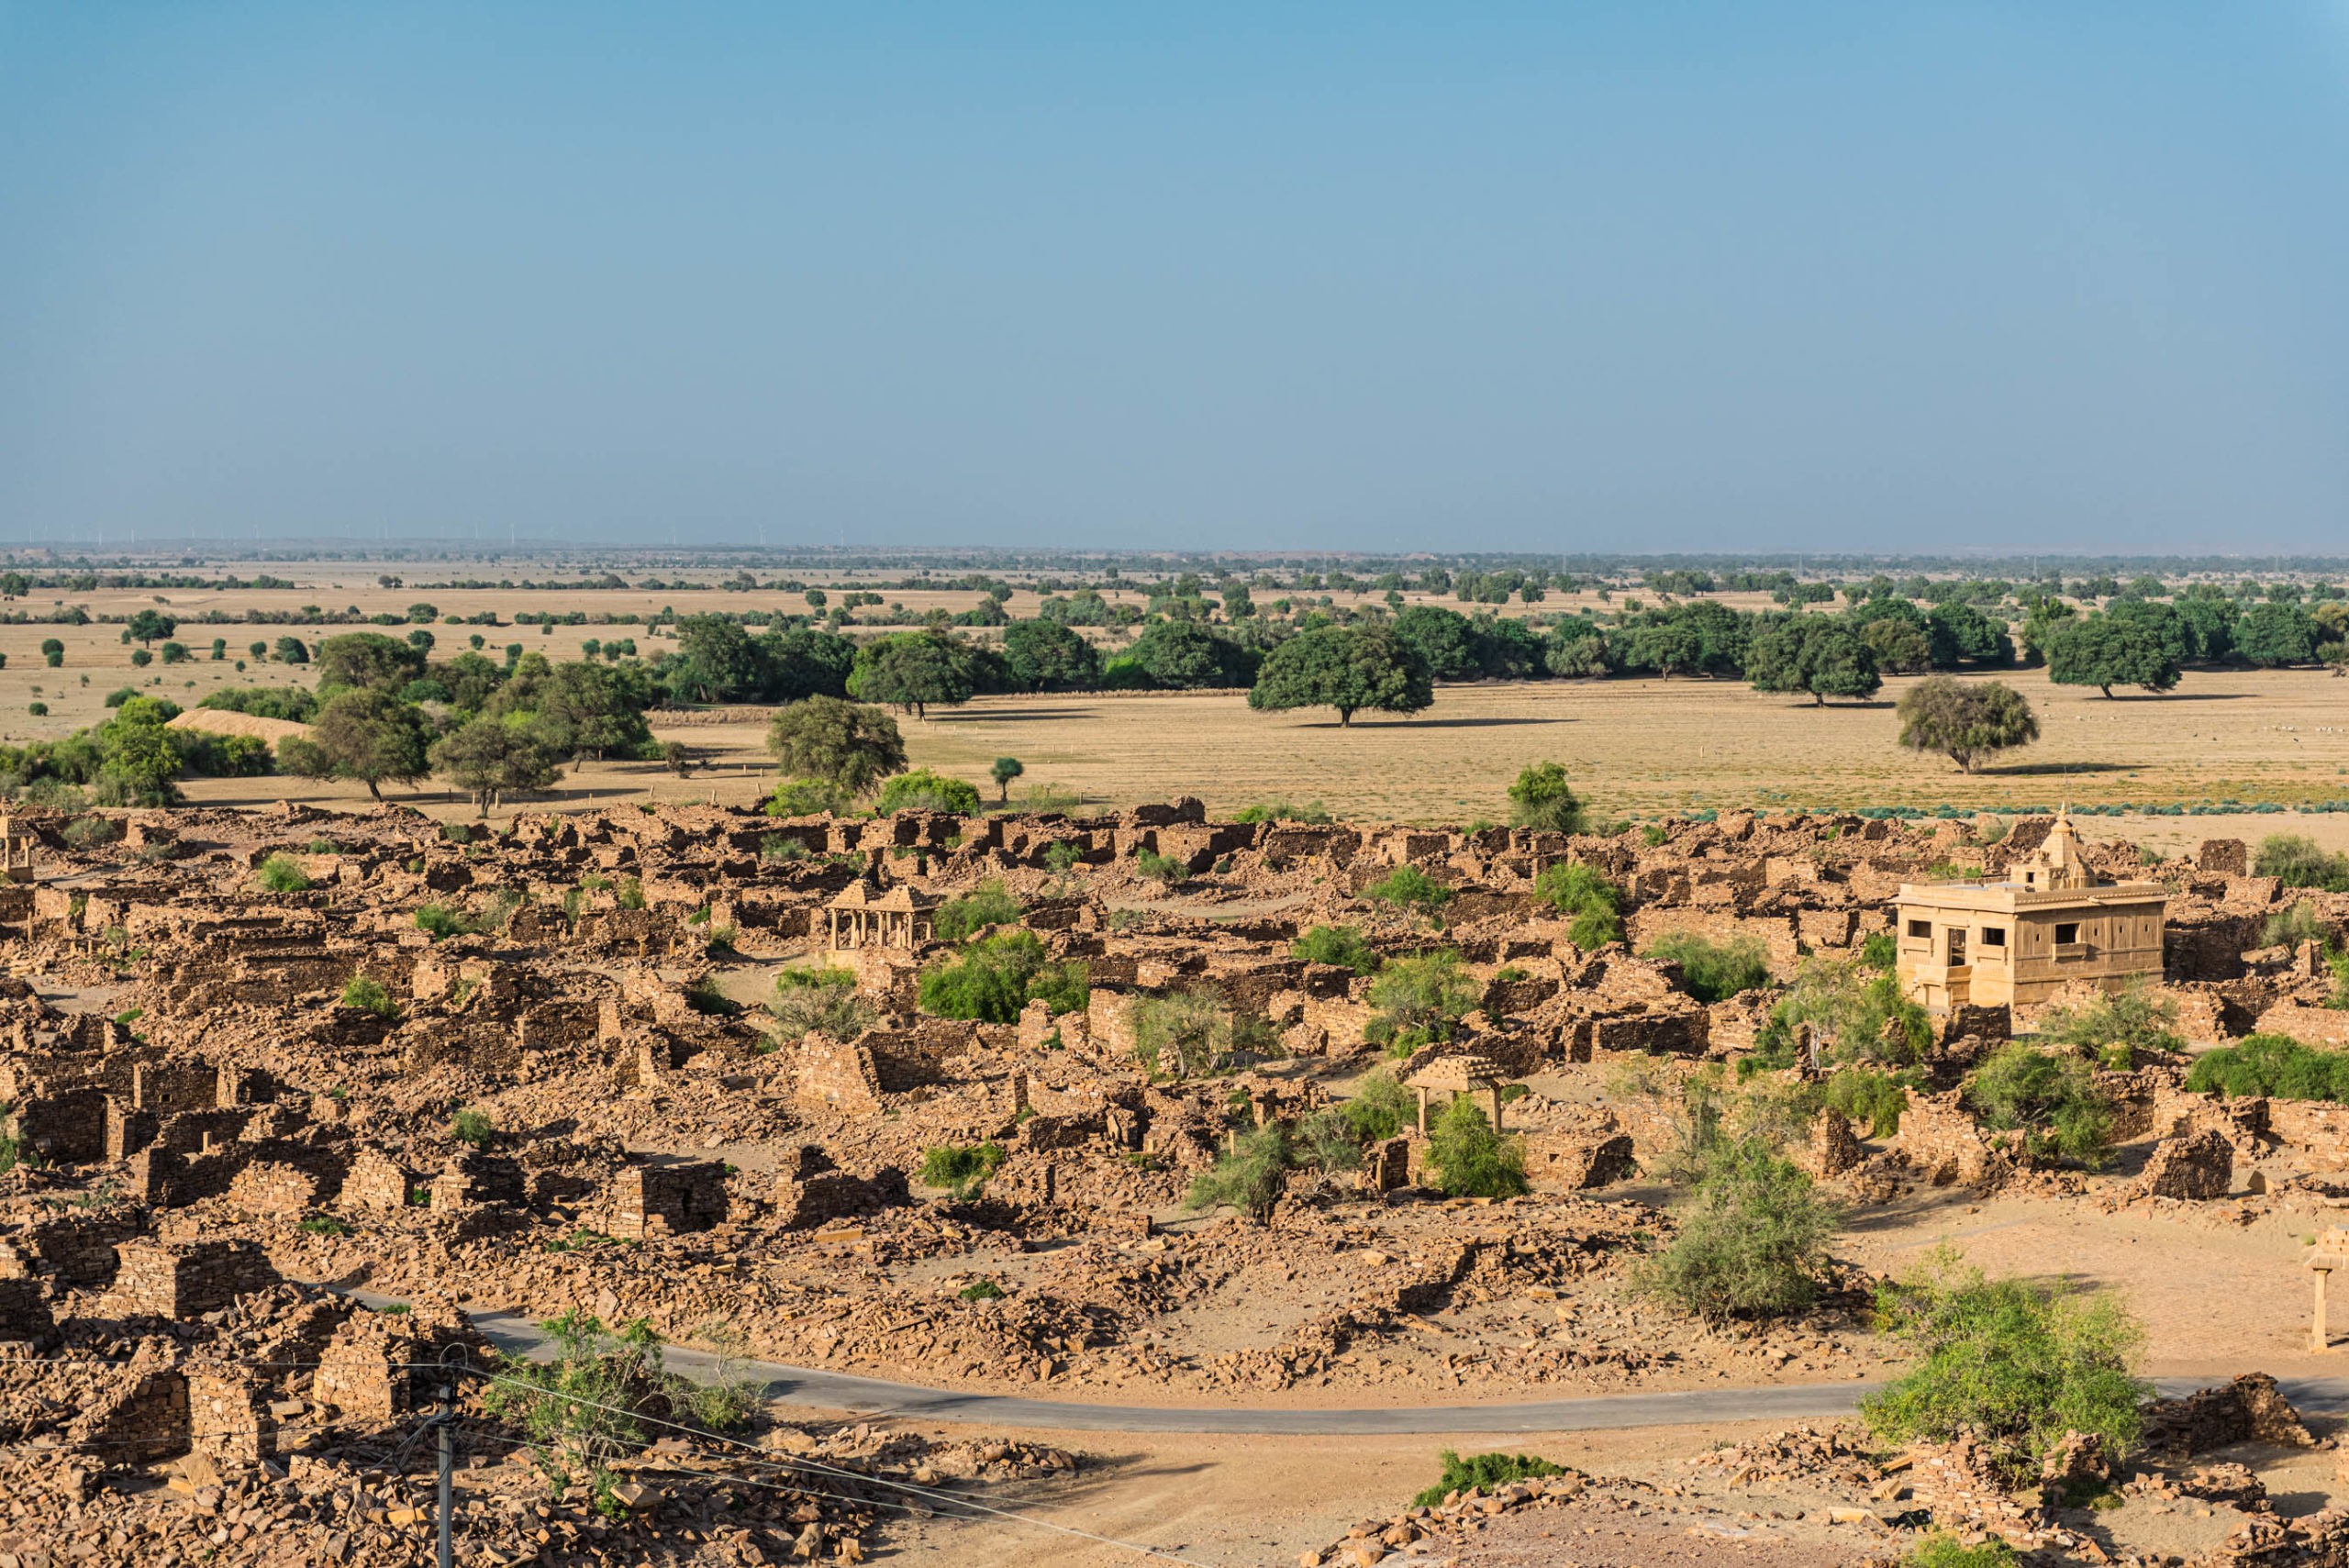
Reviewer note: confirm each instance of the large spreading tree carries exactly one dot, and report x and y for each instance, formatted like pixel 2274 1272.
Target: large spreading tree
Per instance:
pixel 363 733
pixel 911 670
pixel 2104 651
pixel 1965 720
pixel 840 743
pixel 1825 656
pixel 1346 668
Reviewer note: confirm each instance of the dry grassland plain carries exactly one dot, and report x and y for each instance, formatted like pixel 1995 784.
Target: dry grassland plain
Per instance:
pixel 1635 747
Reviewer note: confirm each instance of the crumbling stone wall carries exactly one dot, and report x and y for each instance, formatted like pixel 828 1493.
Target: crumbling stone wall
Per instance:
pixel 377 1181
pixel 2251 1409
pixel 804 1202
pixel 1576 1159
pixel 2197 1166
pixel 840 1073
pixel 667 1200
pixel 66 1128
pixel 1941 1141
pixel 186 1279
pixel 229 1416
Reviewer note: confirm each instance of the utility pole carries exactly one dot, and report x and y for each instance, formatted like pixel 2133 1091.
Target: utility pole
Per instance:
pixel 446 1419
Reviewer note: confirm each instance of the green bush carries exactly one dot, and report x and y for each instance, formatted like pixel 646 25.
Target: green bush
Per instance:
pixel 1162 868
pixel 1409 887
pixel 1249 1176
pixel 989 904
pixel 1752 1239
pixel 1312 813
pixel 440 922
pixel 1183 1034
pixel 1426 996
pixel 1542 798
pixel 2050 1097
pixel 806 797
pixel 922 790
pixel 820 1000
pixel 2015 1365
pixel 1941 1550
pixel 1570 887
pixel 1874 1100
pixel 280 874
pixel 1380 1107
pixel 368 996
pixel 2271 1064
pixel 1879 950
pixel 580 1411
pixel 993 978
pixel 2132 1018
pixel 472 1127
pixel 84 832
pixel 1489 1471
pixel 2290 927
pixel 1341 945
pixel 1469 1158
pixel 2300 863
pixel 779 849
pixel 1714 972
pixel 981 1290
pixel 961 1171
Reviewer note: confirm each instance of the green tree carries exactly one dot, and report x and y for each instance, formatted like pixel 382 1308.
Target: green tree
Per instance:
pixel 1469 1158
pixel 1421 999
pixel 717 661
pixel 1345 668
pixel 1543 798
pixel 1823 655
pixel 2273 635
pixel 1342 946
pixel 1752 1238
pixel 138 762
pixel 1445 641
pixel 991 979
pixel 1005 769
pixel 52 651
pixel 2016 1366
pixel 490 759
pixel 923 790
pixel 151 626
pixel 2103 651
pixel 1714 972
pixel 914 669
pixel 1251 1176
pixel 1047 656
pixel 842 742
pixel 292 649
pixel 1184 656
pixel 363 733
pixel 2050 1097
pixel 365 659
pixel 1965 720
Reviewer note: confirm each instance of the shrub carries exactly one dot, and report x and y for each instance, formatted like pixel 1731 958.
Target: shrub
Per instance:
pixel 961 1170
pixel 989 904
pixel 470 1126
pixel 1341 945
pixel 579 1411
pixel 1183 1034
pixel 85 831
pixel 440 922
pixel 2052 1098
pixel 1752 1239
pixel 1879 950
pixel 702 994
pixel 1312 813
pixel 1469 1158
pixel 369 996
pixel 2271 1064
pixel 1489 1471
pixel 2133 1019
pixel 981 1290
pixel 1162 868
pixel 1428 995
pixel 280 874
pixel 821 1000
pixel 1542 798
pixel 1380 1107
pixel 1875 1100
pixel 1570 887
pixel 806 797
pixel 922 790
pixel 2013 1363
pixel 1409 887
pixel 1714 972
pixel 1248 1176
pixel 1942 1550
pixel 991 979
pixel 777 848
pixel 38 709
pixel 2290 927
pixel 2300 863
pixel 323 1225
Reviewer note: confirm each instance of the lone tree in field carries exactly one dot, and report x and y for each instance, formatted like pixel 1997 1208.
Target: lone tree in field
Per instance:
pixel 364 733
pixel 1346 668
pixel 1005 769
pixel 1817 654
pixel 1965 720
pixel 911 670
pixel 149 627
pixel 489 760
pixel 2104 651
pixel 1541 797
pixel 842 742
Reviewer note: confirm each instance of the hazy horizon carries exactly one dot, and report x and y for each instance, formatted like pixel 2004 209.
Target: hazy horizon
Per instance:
pixel 1930 280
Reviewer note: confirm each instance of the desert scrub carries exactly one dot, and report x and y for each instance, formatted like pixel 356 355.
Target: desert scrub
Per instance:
pixel 1470 1159
pixel 369 996
pixel 280 873
pixel 1343 946
pixel 961 1170
pixel 472 1127
pixel 1487 1472
pixel 1409 887
pixel 1714 972
pixel 1752 1239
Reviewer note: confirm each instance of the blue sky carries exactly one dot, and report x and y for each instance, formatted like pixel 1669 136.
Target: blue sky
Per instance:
pixel 1664 275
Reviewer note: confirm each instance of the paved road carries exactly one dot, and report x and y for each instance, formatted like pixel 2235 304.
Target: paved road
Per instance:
pixel 873 1396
